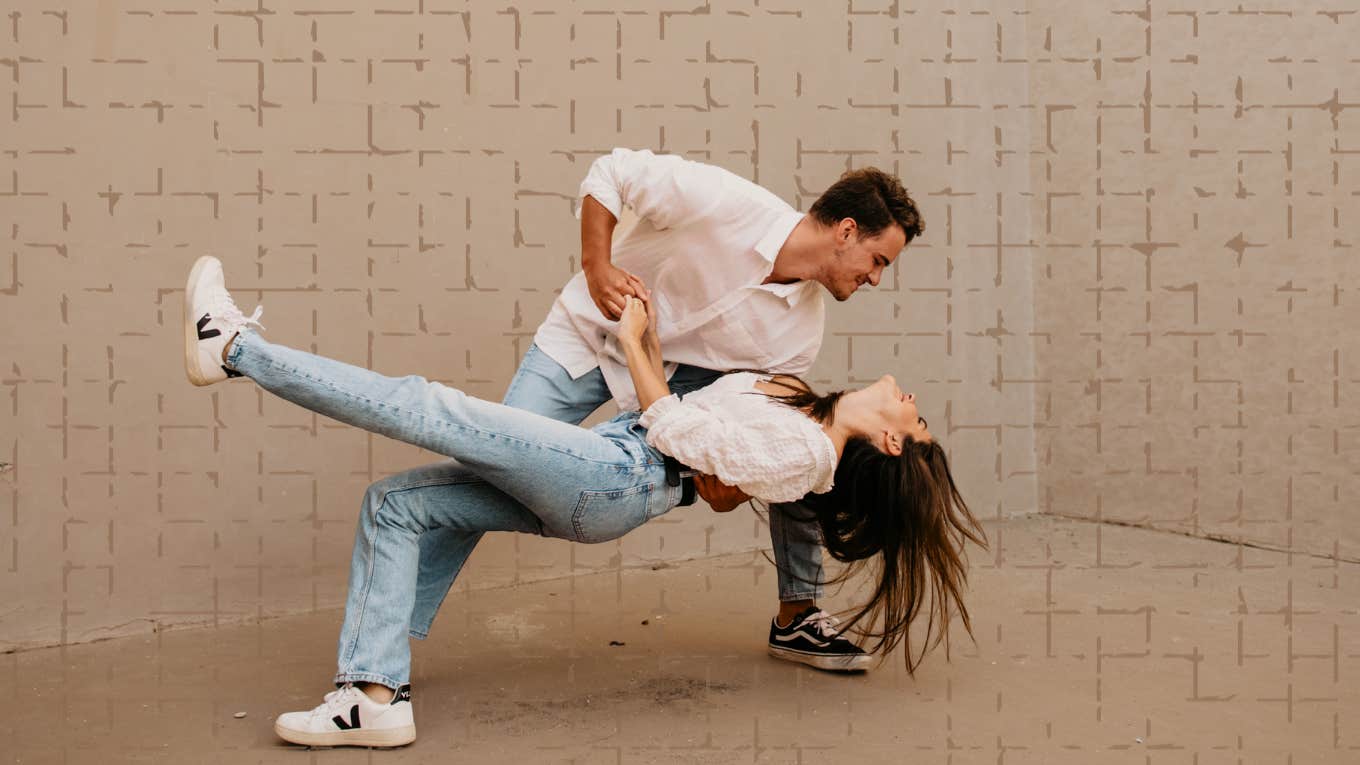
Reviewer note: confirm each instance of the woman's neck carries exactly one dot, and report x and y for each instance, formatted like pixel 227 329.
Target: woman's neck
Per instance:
pixel 850 421
pixel 839 435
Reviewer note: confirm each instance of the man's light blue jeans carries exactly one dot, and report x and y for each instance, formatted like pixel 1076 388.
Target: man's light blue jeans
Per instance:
pixel 513 470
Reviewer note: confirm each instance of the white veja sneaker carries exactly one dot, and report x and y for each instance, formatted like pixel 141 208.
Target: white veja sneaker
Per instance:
pixel 348 717
pixel 211 319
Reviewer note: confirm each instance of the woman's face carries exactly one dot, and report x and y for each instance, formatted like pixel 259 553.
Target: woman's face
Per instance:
pixel 895 413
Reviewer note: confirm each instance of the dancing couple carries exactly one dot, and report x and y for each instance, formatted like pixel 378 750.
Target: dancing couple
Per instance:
pixel 697 323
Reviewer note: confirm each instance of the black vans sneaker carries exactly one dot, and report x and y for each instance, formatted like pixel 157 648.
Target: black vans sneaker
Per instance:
pixel 811 638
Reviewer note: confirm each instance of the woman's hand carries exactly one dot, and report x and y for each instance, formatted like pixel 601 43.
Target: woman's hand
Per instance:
pixel 636 322
pixel 651 341
pixel 638 325
pixel 637 335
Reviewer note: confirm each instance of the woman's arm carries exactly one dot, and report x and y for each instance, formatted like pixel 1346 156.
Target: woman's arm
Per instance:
pixel 642 349
pixel 644 364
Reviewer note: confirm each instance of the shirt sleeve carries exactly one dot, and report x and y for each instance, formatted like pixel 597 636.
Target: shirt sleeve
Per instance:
pixel 666 189
pixel 766 458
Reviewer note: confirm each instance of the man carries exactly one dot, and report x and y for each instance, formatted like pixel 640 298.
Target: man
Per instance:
pixel 733 272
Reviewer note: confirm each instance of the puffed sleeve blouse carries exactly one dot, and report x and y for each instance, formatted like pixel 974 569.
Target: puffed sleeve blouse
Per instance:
pixel 733 431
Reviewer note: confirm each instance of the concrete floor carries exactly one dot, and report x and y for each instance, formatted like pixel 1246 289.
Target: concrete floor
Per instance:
pixel 1095 643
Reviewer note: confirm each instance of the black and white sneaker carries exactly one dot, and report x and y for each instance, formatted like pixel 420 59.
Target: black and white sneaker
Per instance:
pixel 348 717
pixel 811 638
pixel 211 320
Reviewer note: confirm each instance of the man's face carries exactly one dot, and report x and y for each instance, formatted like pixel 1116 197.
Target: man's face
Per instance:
pixel 856 262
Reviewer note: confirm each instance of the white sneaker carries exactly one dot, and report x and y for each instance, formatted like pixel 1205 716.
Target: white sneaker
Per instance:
pixel 348 717
pixel 211 319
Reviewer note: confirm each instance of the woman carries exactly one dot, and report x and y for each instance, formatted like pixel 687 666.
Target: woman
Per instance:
pixel 884 484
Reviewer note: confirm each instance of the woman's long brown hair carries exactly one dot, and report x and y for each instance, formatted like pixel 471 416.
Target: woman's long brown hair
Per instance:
pixel 905 515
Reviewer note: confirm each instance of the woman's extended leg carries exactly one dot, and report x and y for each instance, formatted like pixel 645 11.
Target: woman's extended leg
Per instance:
pixel 542 463
pixel 537 460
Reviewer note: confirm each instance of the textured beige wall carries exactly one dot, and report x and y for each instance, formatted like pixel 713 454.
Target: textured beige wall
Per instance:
pixel 1136 260
pixel 395 184
pixel 1194 213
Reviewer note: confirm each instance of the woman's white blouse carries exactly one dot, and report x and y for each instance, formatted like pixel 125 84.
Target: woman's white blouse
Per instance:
pixel 733 431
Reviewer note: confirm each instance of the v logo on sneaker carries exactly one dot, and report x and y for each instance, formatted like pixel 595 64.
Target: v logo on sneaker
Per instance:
pixel 203 322
pixel 353 719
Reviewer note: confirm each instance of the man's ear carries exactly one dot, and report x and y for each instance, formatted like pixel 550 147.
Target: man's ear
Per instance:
pixel 892 444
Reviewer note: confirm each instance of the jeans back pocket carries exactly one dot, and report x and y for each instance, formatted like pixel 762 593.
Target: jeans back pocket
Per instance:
pixel 609 514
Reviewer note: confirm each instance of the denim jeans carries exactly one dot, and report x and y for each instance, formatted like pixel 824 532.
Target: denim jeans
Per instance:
pixel 511 471
pixel 542 386
pixel 516 471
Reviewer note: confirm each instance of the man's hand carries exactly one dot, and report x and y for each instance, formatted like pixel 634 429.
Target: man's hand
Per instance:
pixel 610 286
pixel 721 497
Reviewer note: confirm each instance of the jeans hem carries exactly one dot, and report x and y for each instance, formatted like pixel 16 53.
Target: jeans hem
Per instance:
pixel 367 677
pixel 234 355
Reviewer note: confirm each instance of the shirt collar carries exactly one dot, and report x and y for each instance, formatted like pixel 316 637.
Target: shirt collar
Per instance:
pixel 768 247
pixel 786 291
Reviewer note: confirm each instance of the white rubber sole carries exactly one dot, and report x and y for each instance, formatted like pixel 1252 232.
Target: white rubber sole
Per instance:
pixel 192 370
pixel 361 737
pixel 832 663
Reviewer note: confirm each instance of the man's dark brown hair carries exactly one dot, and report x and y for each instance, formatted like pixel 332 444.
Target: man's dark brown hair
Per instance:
pixel 874 199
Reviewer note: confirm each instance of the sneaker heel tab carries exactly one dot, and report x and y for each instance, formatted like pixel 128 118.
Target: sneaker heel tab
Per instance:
pixel 403 694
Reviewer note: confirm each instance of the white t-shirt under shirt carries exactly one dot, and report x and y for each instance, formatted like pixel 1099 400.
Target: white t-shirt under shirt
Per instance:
pixel 705 240
pixel 732 430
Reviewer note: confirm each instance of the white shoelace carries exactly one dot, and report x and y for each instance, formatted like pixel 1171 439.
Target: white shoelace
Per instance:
pixel 222 307
pixel 330 703
pixel 824 622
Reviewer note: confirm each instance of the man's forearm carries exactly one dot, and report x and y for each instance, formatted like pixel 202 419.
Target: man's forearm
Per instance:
pixel 648 378
pixel 597 233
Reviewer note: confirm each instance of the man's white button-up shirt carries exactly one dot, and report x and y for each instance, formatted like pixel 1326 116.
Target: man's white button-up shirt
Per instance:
pixel 705 240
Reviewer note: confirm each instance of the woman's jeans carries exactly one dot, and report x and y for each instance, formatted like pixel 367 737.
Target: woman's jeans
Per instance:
pixel 514 471
pixel 544 387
